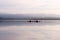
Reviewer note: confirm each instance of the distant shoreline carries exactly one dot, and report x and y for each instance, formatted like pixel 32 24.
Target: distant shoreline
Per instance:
pixel 20 19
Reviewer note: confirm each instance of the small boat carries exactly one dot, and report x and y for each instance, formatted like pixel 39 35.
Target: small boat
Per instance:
pixel 34 21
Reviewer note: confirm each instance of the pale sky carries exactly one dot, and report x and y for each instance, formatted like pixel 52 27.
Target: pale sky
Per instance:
pixel 30 6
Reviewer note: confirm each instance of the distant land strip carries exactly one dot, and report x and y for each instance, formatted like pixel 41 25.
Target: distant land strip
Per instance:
pixel 1 19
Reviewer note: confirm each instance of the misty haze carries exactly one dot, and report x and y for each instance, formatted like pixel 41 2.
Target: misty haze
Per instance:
pixel 29 19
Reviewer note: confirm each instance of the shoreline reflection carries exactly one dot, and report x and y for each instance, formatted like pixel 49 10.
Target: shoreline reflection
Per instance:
pixel 22 23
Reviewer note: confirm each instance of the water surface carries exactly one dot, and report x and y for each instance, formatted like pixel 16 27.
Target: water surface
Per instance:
pixel 43 30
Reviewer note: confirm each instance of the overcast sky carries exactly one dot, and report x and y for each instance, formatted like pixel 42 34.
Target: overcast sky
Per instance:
pixel 30 6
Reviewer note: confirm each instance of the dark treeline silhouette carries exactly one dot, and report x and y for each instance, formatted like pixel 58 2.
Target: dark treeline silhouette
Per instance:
pixel 29 18
pixel 6 16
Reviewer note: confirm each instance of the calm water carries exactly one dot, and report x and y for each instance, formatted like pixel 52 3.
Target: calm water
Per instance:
pixel 44 30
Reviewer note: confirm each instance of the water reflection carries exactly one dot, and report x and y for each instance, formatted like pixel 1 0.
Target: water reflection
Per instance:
pixel 41 23
pixel 43 30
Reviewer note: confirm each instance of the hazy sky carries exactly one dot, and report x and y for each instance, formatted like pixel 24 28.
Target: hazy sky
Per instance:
pixel 30 6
